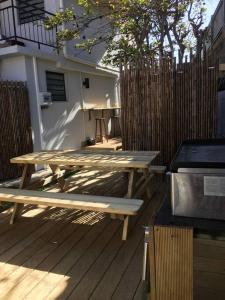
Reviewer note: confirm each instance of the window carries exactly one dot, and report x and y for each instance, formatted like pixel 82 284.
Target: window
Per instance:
pixel 56 86
pixel 30 10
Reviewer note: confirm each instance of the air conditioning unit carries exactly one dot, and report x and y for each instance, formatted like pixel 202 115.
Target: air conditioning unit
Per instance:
pixel 45 99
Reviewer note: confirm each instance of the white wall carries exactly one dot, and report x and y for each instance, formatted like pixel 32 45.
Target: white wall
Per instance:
pixel 101 91
pixel 62 121
pixel 13 68
pixel 65 125
pixel 52 5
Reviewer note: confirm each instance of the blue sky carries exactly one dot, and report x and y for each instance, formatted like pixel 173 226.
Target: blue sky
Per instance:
pixel 211 6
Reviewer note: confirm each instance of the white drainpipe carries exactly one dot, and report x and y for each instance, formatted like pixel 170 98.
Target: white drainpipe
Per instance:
pixel 83 105
pixel 36 81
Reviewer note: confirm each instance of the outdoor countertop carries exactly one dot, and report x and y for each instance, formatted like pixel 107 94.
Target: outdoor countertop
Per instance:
pixel 165 218
pixel 100 108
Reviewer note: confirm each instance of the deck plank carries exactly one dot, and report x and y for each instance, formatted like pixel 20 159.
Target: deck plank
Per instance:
pixel 27 276
pixel 130 279
pixel 15 257
pixel 21 230
pixel 84 289
pixel 59 257
pixel 140 294
pixel 40 233
pixel 6 227
pixel 74 266
pixel 112 277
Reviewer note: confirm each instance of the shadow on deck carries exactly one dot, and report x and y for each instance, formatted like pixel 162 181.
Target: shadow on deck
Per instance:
pixel 65 254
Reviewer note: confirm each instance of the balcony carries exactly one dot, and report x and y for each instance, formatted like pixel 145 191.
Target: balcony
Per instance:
pixel 22 23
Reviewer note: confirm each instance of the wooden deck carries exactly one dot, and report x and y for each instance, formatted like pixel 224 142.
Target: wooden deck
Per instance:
pixel 65 254
pixel 113 144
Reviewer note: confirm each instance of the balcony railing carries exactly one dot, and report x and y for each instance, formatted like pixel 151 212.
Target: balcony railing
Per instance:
pixel 28 28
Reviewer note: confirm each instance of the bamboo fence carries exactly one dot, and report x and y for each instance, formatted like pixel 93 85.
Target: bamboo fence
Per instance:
pixel 165 103
pixel 15 124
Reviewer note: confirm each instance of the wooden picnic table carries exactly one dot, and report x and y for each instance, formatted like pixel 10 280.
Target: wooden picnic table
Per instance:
pixel 125 161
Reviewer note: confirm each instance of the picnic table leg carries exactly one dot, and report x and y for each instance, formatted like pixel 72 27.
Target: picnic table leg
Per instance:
pixel 148 191
pixel 14 213
pixel 113 216
pixel 130 191
pixel 25 180
pixel 131 183
pixel 144 187
pixel 125 228
pixel 57 172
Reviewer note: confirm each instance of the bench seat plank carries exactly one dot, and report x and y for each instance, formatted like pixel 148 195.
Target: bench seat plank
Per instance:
pixel 113 205
pixel 158 169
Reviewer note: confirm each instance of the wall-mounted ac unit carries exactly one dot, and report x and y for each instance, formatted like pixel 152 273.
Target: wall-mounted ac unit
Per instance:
pixel 45 99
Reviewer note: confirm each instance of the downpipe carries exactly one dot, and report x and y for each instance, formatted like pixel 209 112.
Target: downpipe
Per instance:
pixel 37 91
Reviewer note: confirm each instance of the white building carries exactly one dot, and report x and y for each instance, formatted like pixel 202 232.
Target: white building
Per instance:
pixel 28 53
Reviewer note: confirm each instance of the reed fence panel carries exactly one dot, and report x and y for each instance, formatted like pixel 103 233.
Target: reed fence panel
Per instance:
pixel 15 124
pixel 164 104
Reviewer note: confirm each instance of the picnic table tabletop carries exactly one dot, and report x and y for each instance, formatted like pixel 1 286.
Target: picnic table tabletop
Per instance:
pixel 113 159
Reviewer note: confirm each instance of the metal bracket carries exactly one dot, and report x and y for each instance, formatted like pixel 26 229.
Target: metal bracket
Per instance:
pixel 146 242
pixel 147 234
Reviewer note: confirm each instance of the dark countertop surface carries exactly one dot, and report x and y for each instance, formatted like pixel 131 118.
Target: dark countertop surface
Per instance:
pixel 165 218
pixel 200 153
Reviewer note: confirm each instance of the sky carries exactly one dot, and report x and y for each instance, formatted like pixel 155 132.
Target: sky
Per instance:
pixel 211 6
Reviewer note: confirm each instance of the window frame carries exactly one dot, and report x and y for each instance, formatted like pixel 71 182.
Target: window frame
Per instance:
pixel 63 85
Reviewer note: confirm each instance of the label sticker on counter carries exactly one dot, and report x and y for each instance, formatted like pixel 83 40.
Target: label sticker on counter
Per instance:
pixel 214 186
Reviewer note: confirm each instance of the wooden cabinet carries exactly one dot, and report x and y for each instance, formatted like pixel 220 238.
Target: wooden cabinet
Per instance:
pixel 186 265
pixel 209 269
pixel 171 263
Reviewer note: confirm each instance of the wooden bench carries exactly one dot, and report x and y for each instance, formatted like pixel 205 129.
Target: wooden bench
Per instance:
pixel 115 206
pixel 158 169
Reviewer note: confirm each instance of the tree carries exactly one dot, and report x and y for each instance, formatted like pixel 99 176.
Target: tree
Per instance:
pixel 133 29
pixel 196 19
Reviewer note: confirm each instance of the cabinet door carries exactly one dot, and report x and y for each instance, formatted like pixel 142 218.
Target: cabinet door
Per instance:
pixel 171 263
pixel 209 269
